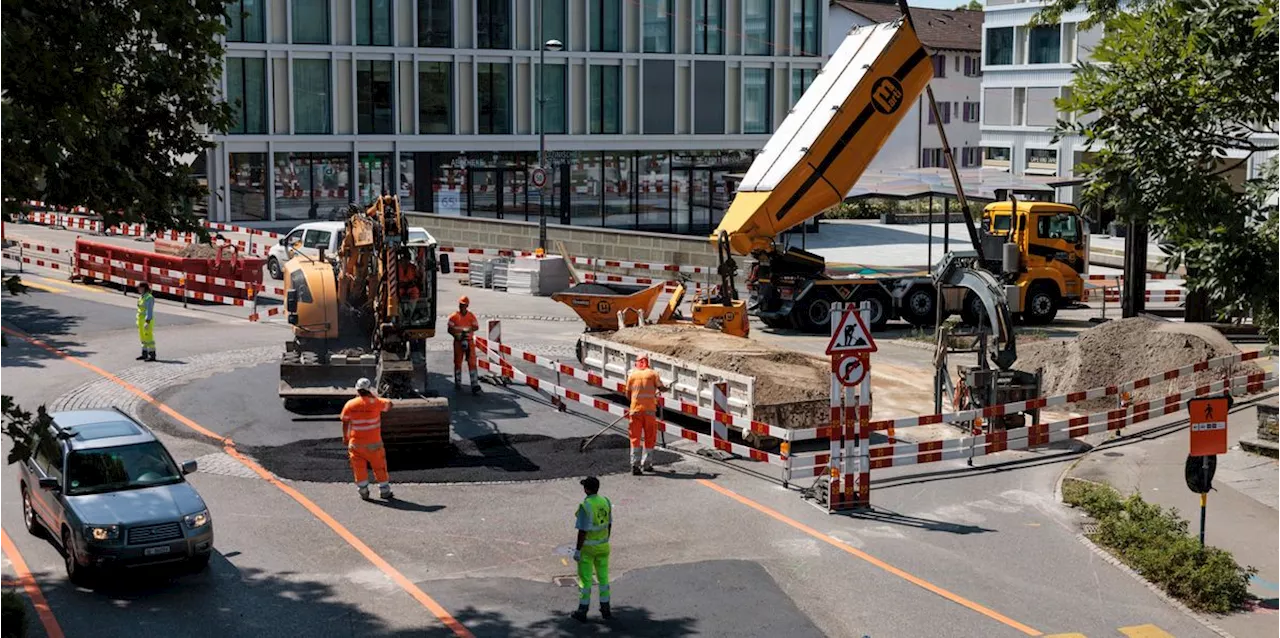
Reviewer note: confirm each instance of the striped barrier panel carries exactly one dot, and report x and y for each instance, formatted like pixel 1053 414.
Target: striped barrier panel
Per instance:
pixel 81 271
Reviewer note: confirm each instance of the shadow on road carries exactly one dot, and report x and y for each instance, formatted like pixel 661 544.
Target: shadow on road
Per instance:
pixel 50 326
pixel 881 515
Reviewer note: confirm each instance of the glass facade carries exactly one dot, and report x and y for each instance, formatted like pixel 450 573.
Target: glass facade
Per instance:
pixel 656 29
pixel 435 98
pixel 606 99
pixel 312 104
pixel 245 21
pixel 373 22
pixel 800 81
pixel 708 26
pixel 757 36
pixel 606 25
pixel 247 94
pixel 756 94
pixel 493 20
pixel 311 185
pixel 1000 46
pixel 375 97
pixel 248 182
pixel 555 21
pixel 435 23
pixel 493 98
pixel 311 21
pixel 1044 45
pixel 554 84
pixel 806 17
pixel 377 176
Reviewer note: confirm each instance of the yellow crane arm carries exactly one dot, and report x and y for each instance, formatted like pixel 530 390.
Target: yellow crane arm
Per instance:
pixel 831 135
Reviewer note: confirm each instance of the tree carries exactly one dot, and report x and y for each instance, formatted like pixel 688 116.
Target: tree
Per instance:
pixel 1174 100
pixel 102 100
pixel 974 5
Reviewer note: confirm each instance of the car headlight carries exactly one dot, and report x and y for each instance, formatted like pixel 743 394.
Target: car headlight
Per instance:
pixel 102 533
pixel 197 520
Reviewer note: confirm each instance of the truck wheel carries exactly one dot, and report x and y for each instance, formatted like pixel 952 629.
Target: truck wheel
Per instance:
pixel 972 312
pixel 920 306
pixel 775 323
pixel 273 268
pixel 1041 305
pixel 812 314
pixel 880 308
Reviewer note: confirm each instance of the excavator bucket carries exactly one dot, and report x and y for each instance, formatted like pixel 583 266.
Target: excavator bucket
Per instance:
pixel 599 304
pixel 416 424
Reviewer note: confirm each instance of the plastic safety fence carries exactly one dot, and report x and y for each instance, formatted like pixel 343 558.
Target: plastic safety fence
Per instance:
pixel 59 259
pixel 104 269
pixel 88 224
pixel 965 416
pixel 902 454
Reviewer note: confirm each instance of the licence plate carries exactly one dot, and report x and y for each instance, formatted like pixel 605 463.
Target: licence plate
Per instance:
pixel 155 551
pixel 785 293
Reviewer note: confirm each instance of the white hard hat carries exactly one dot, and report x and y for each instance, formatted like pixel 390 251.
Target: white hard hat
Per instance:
pixel 364 385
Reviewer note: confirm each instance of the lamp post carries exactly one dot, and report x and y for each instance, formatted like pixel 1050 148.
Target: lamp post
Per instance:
pixel 547 45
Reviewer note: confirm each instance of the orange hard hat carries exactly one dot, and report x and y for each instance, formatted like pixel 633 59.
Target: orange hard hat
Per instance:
pixel 464 300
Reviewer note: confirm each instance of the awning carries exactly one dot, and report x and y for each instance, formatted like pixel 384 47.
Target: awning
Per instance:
pixel 921 182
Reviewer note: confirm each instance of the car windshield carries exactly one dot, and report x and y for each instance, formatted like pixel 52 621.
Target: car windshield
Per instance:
pixel 126 467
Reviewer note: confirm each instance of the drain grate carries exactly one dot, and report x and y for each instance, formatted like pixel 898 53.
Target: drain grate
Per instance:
pixel 1089 528
pixel 565 581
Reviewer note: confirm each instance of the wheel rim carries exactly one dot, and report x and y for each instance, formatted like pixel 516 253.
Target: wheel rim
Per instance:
pixel 28 515
pixel 877 310
pixel 1041 305
pixel 820 312
pixel 274 267
pixel 921 303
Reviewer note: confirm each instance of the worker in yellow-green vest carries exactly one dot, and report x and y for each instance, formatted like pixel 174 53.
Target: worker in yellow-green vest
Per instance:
pixel 595 523
pixel 146 322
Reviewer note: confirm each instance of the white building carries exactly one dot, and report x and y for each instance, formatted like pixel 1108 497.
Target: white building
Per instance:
pixel 648 107
pixel 954 39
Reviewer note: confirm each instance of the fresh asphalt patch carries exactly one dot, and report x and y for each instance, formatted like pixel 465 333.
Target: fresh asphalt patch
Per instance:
pixel 490 458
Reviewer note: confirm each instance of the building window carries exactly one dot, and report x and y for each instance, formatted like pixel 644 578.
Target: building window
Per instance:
pixel 657 26
pixel 248 182
pixel 554 80
pixel 932 158
pixel 996 157
pixel 494 98
pixel 245 21
pixel 800 81
pixel 247 94
pixel 972 66
pixel 757 36
pixel 708 29
pixel 944 109
pixel 1044 45
pixel 375 97
pixel 492 19
pixel 805 39
pixel 606 100
pixel 555 20
pixel 756 114
pixel 940 66
pixel 1069 42
pixel 312 102
pixel 970 156
pixel 373 22
pixel 311 21
pixel 972 111
pixel 435 98
pixel 1000 46
pixel 606 25
pixel 1042 161
pixel 435 23
pixel 311 184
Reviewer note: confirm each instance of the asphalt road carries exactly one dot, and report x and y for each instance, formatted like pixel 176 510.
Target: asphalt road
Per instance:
pixel 701 549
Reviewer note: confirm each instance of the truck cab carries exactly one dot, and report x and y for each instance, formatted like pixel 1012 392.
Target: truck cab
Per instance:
pixel 1051 255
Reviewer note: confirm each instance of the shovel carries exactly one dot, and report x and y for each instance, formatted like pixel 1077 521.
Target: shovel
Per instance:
pixel 583 447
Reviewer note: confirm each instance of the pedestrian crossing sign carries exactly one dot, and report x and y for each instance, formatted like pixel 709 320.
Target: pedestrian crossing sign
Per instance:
pixel 1208 425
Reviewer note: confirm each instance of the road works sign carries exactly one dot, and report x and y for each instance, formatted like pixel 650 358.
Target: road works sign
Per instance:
pixel 851 334
pixel 1208 425
pixel 851 369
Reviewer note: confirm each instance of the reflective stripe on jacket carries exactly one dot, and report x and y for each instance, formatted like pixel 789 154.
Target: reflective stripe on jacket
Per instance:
pixel 642 387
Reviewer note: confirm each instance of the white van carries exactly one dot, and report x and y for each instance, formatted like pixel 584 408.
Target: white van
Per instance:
pixel 327 235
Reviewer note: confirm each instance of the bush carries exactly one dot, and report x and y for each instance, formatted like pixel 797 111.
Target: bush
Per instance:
pixel 13 615
pixel 1155 542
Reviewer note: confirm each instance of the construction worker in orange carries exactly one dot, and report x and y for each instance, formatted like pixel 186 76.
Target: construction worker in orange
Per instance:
pixel 643 386
pixel 463 324
pixel 410 280
pixel 362 432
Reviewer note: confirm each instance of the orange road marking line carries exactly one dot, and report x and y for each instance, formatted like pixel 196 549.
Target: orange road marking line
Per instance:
pixel 229 447
pixel 915 580
pixel 32 588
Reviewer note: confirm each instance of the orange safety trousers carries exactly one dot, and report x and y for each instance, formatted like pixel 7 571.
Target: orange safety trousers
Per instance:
pixel 363 455
pixel 457 354
pixel 643 424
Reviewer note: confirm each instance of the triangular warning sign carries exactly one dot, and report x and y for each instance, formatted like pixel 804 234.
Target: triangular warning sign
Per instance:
pixel 851 335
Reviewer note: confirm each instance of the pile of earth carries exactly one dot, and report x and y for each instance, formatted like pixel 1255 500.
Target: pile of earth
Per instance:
pixel 200 251
pixel 791 389
pixel 1125 350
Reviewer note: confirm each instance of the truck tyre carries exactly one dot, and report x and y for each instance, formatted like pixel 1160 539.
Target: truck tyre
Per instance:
pixel 881 307
pixel 775 323
pixel 1041 305
pixel 972 312
pixel 920 306
pixel 273 268
pixel 813 313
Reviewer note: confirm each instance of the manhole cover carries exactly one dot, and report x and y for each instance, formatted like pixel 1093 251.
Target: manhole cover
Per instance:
pixel 565 581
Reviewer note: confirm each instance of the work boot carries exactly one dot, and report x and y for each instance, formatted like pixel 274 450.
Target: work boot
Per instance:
pixel 385 492
pixel 151 356
pixel 648 467
pixel 475 388
pixel 364 492
pixel 143 356
pixel 580 615
pixel 605 612
pixel 635 470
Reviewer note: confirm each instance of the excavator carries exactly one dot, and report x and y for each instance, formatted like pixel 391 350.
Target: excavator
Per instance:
pixel 367 313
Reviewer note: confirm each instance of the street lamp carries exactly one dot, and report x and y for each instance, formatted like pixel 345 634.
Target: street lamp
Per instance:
pixel 548 45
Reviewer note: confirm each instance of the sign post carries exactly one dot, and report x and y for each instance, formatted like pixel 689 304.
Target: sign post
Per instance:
pixel 849 348
pixel 1208 416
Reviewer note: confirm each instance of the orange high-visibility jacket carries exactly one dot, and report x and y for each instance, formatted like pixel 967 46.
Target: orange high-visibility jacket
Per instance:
pixel 363 416
pixel 642 387
pixel 456 320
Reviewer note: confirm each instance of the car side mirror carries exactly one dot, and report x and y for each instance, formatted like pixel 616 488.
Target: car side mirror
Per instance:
pixel 189 466
pixel 444 264
pixel 284 241
pixel 49 483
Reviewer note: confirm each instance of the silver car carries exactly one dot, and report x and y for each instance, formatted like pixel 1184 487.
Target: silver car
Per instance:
pixel 110 494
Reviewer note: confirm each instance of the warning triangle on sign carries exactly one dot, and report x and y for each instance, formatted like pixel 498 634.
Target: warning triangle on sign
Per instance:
pixel 851 335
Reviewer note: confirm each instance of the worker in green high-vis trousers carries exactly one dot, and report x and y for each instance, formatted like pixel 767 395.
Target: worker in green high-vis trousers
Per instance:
pixel 146 322
pixel 594 524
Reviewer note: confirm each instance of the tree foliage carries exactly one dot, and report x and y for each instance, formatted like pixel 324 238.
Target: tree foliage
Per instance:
pixel 1174 100
pixel 105 102
pixel 18 426
pixel 972 5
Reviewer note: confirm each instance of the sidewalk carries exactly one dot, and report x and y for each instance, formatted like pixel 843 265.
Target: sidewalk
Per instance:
pixel 1242 510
